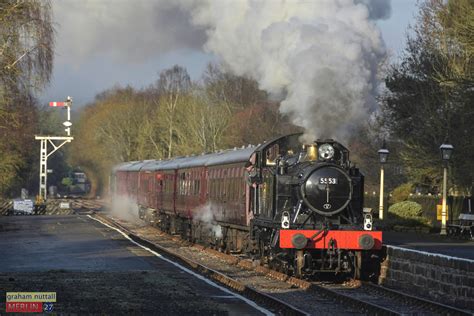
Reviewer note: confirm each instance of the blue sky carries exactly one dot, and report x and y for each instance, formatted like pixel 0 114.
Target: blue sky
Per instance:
pixel 92 74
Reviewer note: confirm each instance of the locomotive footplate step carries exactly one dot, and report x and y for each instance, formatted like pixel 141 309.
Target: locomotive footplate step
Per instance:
pixel 95 270
pixel 431 243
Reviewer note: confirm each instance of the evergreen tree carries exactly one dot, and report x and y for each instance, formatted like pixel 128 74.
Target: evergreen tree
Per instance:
pixel 430 97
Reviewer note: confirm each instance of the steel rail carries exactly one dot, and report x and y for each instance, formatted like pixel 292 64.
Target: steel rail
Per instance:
pixel 278 305
pixel 363 306
pixel 415 300
pixel 408 300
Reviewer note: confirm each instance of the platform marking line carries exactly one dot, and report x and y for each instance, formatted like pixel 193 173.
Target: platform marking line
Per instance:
pixel 431 253
pixel 249 302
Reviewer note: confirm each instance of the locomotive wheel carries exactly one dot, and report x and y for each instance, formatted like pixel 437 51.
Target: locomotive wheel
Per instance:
pixel 299 263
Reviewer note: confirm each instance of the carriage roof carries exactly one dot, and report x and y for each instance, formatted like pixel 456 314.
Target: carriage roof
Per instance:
pixel 219 158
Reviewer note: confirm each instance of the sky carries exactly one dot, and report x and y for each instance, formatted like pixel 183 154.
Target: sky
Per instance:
pixel 95 49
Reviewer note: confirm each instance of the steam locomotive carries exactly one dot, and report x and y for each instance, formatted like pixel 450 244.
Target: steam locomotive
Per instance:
pixel 296 207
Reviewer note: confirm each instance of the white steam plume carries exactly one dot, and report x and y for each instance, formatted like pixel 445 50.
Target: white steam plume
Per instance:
pixel 319 57
pixel 125 208
pixel 205 215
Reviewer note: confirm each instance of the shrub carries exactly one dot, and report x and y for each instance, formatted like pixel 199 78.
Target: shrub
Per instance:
pixel 406 209
pixel 401 193
pixel 67 182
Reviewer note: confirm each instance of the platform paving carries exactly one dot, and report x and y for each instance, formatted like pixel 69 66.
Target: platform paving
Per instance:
pixel 433 243
pixel 95 270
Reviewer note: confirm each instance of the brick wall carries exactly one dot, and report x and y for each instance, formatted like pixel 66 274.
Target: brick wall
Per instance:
pixel 444 279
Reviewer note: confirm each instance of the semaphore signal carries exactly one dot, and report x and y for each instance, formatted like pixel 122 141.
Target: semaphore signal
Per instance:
pixel 43 173
pixel 57 103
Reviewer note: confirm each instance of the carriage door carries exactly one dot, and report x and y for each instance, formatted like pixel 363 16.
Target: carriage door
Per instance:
pixel 159 190
pixel 223 191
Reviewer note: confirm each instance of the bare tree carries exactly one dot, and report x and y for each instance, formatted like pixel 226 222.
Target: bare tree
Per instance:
pixel 204 123
pixel 26 44
pixel 172 85
pixel 233 91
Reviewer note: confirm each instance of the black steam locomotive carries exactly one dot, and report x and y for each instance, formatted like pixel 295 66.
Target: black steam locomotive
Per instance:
pixel 311 217
pixel 296 207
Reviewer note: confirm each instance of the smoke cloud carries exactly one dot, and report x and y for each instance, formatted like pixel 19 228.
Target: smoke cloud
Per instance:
pixel 128 31
pixel 319 58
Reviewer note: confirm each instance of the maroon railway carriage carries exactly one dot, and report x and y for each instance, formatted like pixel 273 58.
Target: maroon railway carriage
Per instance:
pixel 299 207
pixel 203 198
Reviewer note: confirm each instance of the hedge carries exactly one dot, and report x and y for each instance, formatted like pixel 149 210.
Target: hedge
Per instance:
pixel 406 209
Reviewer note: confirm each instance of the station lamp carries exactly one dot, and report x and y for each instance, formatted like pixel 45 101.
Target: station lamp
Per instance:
pixel 446 152
pixel 383 156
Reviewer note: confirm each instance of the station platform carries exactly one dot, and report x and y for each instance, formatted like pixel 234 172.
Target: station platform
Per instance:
pixel 94 269
pixel 433 243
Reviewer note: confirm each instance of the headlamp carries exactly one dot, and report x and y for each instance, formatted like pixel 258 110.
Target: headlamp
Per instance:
pixel 326 151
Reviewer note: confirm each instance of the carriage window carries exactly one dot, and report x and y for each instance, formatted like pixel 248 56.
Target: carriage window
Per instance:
pixel 235 189
pixel 228 189
pixel 181 184
pixel 185 183
pixel 241 187
pixel 216 187
pixel 188 187
pixel 196 187
pixel 221 189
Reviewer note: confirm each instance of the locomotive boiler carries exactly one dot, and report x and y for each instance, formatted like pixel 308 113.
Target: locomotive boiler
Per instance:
pixel 295 207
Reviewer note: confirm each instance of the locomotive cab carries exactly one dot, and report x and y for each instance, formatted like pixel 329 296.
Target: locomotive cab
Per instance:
pixel 307 201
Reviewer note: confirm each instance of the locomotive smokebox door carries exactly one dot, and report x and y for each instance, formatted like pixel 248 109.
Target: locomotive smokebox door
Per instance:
pixel 327 189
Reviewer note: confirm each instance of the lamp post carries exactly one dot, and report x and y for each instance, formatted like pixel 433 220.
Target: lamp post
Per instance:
pixel 383 155
pixel 446 151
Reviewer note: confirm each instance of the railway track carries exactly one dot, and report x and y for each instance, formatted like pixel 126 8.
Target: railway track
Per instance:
pixel 277 305
pixel 363 298
pixel 380 300
pixel 81 204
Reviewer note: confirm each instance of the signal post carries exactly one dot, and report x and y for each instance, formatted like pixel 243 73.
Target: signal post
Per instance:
pixel 60 141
